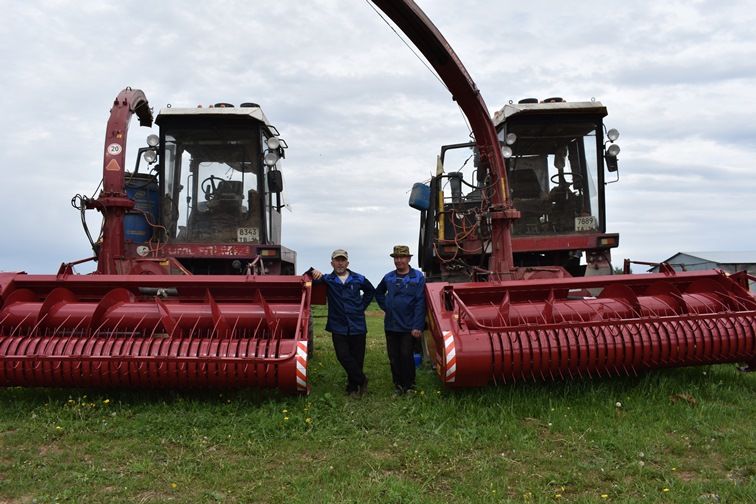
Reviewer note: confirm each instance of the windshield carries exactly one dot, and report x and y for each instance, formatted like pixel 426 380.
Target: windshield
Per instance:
pixel 552 177
pixel 212 185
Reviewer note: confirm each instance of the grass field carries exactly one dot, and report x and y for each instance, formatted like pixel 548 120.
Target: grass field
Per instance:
pixel 682 436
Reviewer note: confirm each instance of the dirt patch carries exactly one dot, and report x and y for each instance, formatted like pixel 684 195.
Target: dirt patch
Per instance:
pixel 27 499
pixel 687 476
pixel 50 449
pixel 684 398
pixel 374 313
pixel 739 475
pixel 145 497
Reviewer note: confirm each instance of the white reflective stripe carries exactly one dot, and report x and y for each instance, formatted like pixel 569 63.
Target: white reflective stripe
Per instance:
pixel 450 354
pixel 301 369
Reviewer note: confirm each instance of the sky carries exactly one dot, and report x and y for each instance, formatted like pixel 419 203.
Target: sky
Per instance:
pixel 364 118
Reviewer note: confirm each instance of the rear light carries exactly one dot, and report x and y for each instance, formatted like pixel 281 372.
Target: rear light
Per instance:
pixel 268 252
pixel 608 241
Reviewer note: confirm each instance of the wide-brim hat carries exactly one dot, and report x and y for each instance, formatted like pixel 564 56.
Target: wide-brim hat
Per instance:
pixel 401 251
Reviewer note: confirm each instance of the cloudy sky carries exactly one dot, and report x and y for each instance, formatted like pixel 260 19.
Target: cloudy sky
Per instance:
pixel 364 118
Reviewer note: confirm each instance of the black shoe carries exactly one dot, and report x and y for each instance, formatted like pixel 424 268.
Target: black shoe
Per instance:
pixel 364 387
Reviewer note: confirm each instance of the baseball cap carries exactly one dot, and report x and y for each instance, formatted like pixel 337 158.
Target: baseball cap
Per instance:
pixel 340 253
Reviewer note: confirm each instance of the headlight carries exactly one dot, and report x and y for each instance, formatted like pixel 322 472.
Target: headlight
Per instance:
pixel 613 150
pixel 271 158
pixel 511 138
pixel 612 135
pixel 153 140
pixel 506 151
pixel 150 156
pixel 273 143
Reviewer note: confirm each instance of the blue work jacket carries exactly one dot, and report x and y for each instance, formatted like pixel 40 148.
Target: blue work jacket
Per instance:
pixel 347 302
pixel 403 300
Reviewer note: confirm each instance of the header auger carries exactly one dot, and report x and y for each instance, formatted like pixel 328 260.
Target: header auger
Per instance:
pixel 194 290
pixel 544 329
pixel 154 331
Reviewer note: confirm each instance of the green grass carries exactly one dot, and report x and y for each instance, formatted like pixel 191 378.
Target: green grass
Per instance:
pixel 684 436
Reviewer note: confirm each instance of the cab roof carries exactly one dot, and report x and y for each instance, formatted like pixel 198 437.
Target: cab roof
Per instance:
pixel 546 108
pixel 254 113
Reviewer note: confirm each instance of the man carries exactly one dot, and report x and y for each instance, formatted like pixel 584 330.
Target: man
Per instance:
pixel 401 295
pixel 349 294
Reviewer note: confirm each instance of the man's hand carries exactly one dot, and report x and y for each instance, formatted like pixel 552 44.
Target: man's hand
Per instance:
pixel 416 333
pixel 316 274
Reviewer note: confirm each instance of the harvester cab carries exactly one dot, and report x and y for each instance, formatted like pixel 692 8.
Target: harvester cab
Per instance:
pixel 212 200
pixel 558 157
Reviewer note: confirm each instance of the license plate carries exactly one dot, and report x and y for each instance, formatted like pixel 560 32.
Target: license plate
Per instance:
pixel 247 234
pixel 586 223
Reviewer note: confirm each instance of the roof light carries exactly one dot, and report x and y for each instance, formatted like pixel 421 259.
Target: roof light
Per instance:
pixel 613 150
pixel 506 151
pixel 273 143
pixel 271 158
pixel 612 135
pixel 149 156
pixel 153 140
pixel 511 138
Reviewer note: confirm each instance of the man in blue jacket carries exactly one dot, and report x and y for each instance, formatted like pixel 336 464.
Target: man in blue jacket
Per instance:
pixel 401 295
pixel 349 294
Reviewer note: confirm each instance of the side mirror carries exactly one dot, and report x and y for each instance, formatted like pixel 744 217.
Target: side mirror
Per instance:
pixel 611 163
pixel 275 181
pixel 611 158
